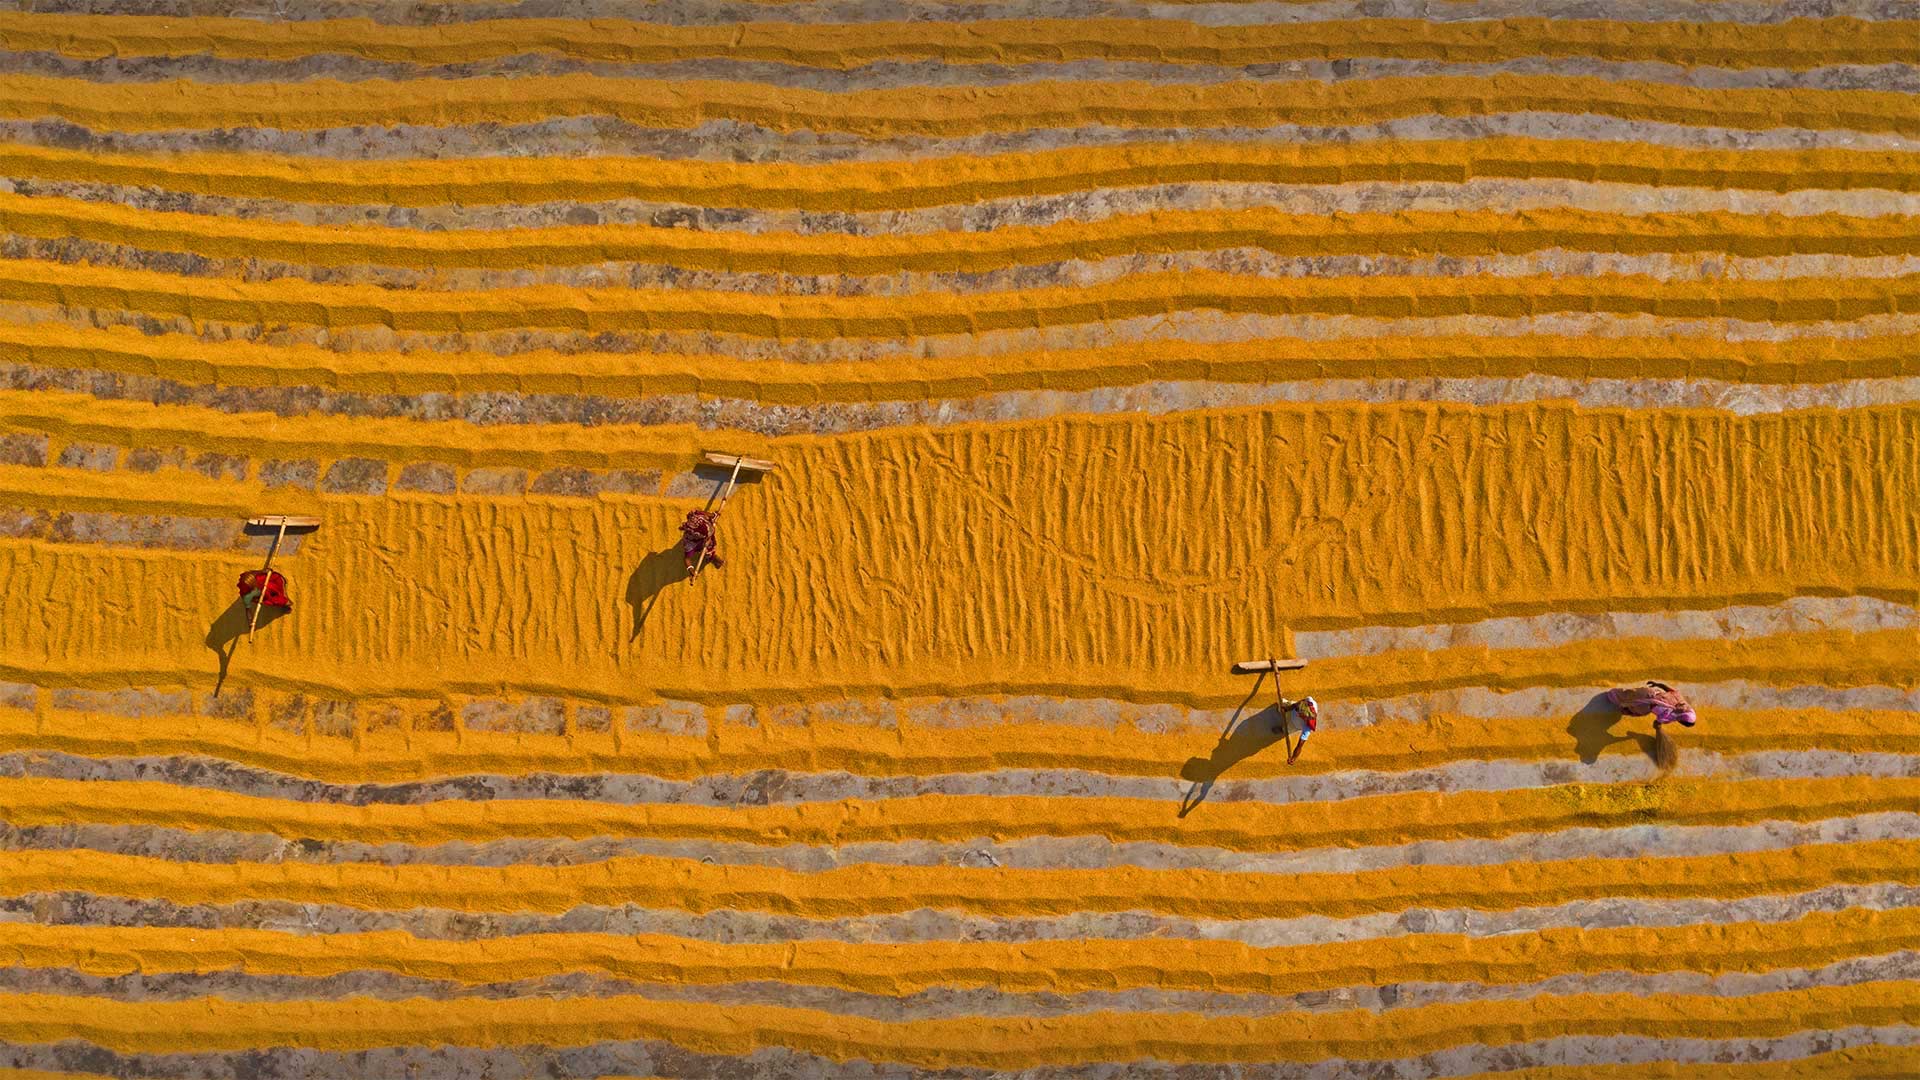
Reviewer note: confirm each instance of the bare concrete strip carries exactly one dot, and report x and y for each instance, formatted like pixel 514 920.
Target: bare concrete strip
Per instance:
pixel 726 140
pixel 202 68
pixel 781 787
pixel 163 531
pixel 1204 323
pixel 1040 853
pixel 1805 614
pixel 1539 703
pixel 85 909
pixel 665 1060
pixel 732 414
pixel 1237 12
pixel 1093 204
pixel 940 1002
pixel 1222 12
pixel 1559 701
pixel 1706 266
pixel 1554 706
pixel 1232 12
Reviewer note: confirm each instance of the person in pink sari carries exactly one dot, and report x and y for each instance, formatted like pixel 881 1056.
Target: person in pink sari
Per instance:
pixel 1667 705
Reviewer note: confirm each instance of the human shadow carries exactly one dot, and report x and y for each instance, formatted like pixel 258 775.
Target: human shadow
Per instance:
pixel 1592 730
pixel 1244 736
pixel 224 636
pixel 649 580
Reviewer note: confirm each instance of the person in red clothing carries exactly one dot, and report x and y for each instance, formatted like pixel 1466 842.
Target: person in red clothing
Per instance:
pixel 697 537
pixel 267 587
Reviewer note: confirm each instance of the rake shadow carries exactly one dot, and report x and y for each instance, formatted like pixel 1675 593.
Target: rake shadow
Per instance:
pixel 719 474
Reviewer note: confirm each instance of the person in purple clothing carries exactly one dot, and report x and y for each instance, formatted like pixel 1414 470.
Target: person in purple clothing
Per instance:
pixel 1667 705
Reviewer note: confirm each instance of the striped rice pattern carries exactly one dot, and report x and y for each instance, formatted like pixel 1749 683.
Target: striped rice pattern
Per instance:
pixel 1484 354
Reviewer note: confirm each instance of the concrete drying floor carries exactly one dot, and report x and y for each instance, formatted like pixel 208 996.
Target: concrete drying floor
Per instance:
pixel 1484 354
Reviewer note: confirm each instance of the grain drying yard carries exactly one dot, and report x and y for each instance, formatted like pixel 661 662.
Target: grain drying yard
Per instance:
pixel 1485 356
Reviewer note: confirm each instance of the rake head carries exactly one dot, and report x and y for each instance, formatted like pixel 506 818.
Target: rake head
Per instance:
pixel 733 461
pixel 289 521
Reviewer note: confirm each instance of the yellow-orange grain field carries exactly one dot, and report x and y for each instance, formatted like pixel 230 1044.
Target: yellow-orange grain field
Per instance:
pixel 1482 355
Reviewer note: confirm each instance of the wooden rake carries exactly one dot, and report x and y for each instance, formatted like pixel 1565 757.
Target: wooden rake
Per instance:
pixel 283 522
pixel 1261 667
pixel 758 466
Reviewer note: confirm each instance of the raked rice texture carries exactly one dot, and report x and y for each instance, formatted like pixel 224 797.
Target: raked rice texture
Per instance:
pixel 1483 354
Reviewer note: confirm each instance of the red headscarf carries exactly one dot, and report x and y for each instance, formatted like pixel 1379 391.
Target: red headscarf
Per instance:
pixel 699 526
pixel 275 593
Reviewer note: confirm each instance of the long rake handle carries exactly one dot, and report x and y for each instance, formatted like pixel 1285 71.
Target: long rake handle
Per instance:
pixel 1279 699
pixel 724 496
pixel 262 602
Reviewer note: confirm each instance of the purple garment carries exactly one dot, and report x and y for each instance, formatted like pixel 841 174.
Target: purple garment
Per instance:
pixel 1664 702
pixel 1663 714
